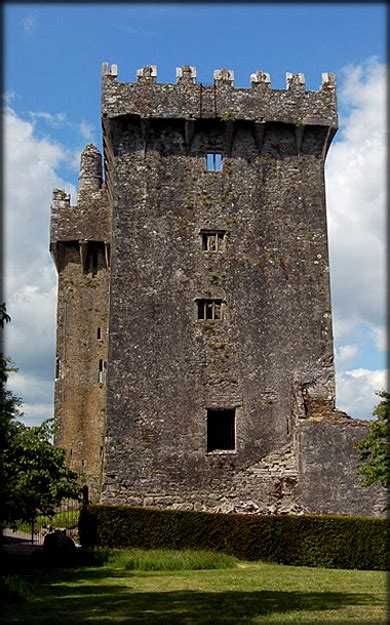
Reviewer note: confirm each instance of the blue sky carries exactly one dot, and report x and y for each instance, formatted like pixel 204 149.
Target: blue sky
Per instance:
pixel 52 70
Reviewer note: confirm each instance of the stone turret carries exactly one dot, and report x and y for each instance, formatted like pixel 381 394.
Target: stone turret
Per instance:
pixel 90 176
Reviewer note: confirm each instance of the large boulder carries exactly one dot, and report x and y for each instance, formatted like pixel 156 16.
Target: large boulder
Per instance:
pixel 59 547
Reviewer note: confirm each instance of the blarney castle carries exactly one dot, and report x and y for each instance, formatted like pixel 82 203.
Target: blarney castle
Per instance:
pixel 194 359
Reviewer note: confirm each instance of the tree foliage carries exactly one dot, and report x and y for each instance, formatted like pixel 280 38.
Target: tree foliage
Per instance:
pixel 33 475
pixel 374 460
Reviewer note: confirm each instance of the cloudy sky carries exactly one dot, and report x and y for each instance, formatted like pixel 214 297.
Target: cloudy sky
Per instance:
pixel 53 55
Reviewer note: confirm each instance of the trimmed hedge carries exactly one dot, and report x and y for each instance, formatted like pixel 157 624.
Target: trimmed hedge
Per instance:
pixel 307 540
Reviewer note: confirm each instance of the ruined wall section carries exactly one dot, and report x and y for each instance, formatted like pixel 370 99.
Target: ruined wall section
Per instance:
pixel 167 367
pixel 328 482
pixel 80 245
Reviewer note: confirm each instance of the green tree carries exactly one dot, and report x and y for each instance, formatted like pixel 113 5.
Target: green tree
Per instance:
pixel 373 459
pixel 33 475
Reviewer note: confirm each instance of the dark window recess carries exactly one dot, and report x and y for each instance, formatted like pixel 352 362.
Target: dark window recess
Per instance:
pixel 221 429
pixel 99 334
pixel 95 262
pixel 210 309
pixel 57 368
pixel 102 371
pixel 213 241
pixel 214 161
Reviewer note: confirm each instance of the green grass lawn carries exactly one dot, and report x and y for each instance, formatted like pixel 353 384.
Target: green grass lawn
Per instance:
pixel 122 591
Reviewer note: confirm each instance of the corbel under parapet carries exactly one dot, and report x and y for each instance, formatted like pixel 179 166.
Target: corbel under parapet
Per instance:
pixel 299 132
pixel 83 247
pixel 229 135
pixel 145 125
pixel 189 126
pixel 259 134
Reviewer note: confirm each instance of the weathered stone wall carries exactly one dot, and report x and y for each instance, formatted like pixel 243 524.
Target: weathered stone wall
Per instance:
pixel 327 465
pixel 270 358
pixel 79 242
pixel 166 367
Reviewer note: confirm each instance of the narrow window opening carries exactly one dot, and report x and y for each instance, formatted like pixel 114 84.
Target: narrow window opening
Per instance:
pixel 99 334
pixel 214 161
pixel 209 309
pixel 102 371
pixel 221 429
pixel 57 368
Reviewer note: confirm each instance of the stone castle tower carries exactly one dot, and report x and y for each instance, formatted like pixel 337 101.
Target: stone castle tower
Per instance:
pixel 194 335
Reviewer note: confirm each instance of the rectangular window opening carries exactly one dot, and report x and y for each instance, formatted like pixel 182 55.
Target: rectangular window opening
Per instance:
pixel 214 161
pixel 213 240
pixel 209 309
pixel 99 334
pixel 57 368
pixel 221 430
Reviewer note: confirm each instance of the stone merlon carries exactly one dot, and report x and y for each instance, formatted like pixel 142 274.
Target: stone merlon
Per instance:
pixel 187 99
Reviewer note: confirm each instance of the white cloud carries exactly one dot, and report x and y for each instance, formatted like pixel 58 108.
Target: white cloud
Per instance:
pixel 36 394
pixel 87 131
pixel 29 23
pixel 34 414
pixel 355 181
pixel 74 159
pixel 55 120
pixel 30 174
pixel 30 387
pixel 9 96
pixel 346 354
pixel 356 391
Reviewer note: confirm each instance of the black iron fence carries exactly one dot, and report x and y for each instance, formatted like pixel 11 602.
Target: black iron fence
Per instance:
pixel 66 517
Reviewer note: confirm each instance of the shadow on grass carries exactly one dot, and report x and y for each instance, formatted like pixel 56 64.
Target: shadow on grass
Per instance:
pixel 76 597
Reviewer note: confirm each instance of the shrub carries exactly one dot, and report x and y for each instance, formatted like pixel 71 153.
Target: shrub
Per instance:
pixel 14 588
pixel 306 540
pixel 94 556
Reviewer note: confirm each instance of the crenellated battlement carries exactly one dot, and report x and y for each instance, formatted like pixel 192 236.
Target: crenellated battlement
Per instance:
pixel 191 100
